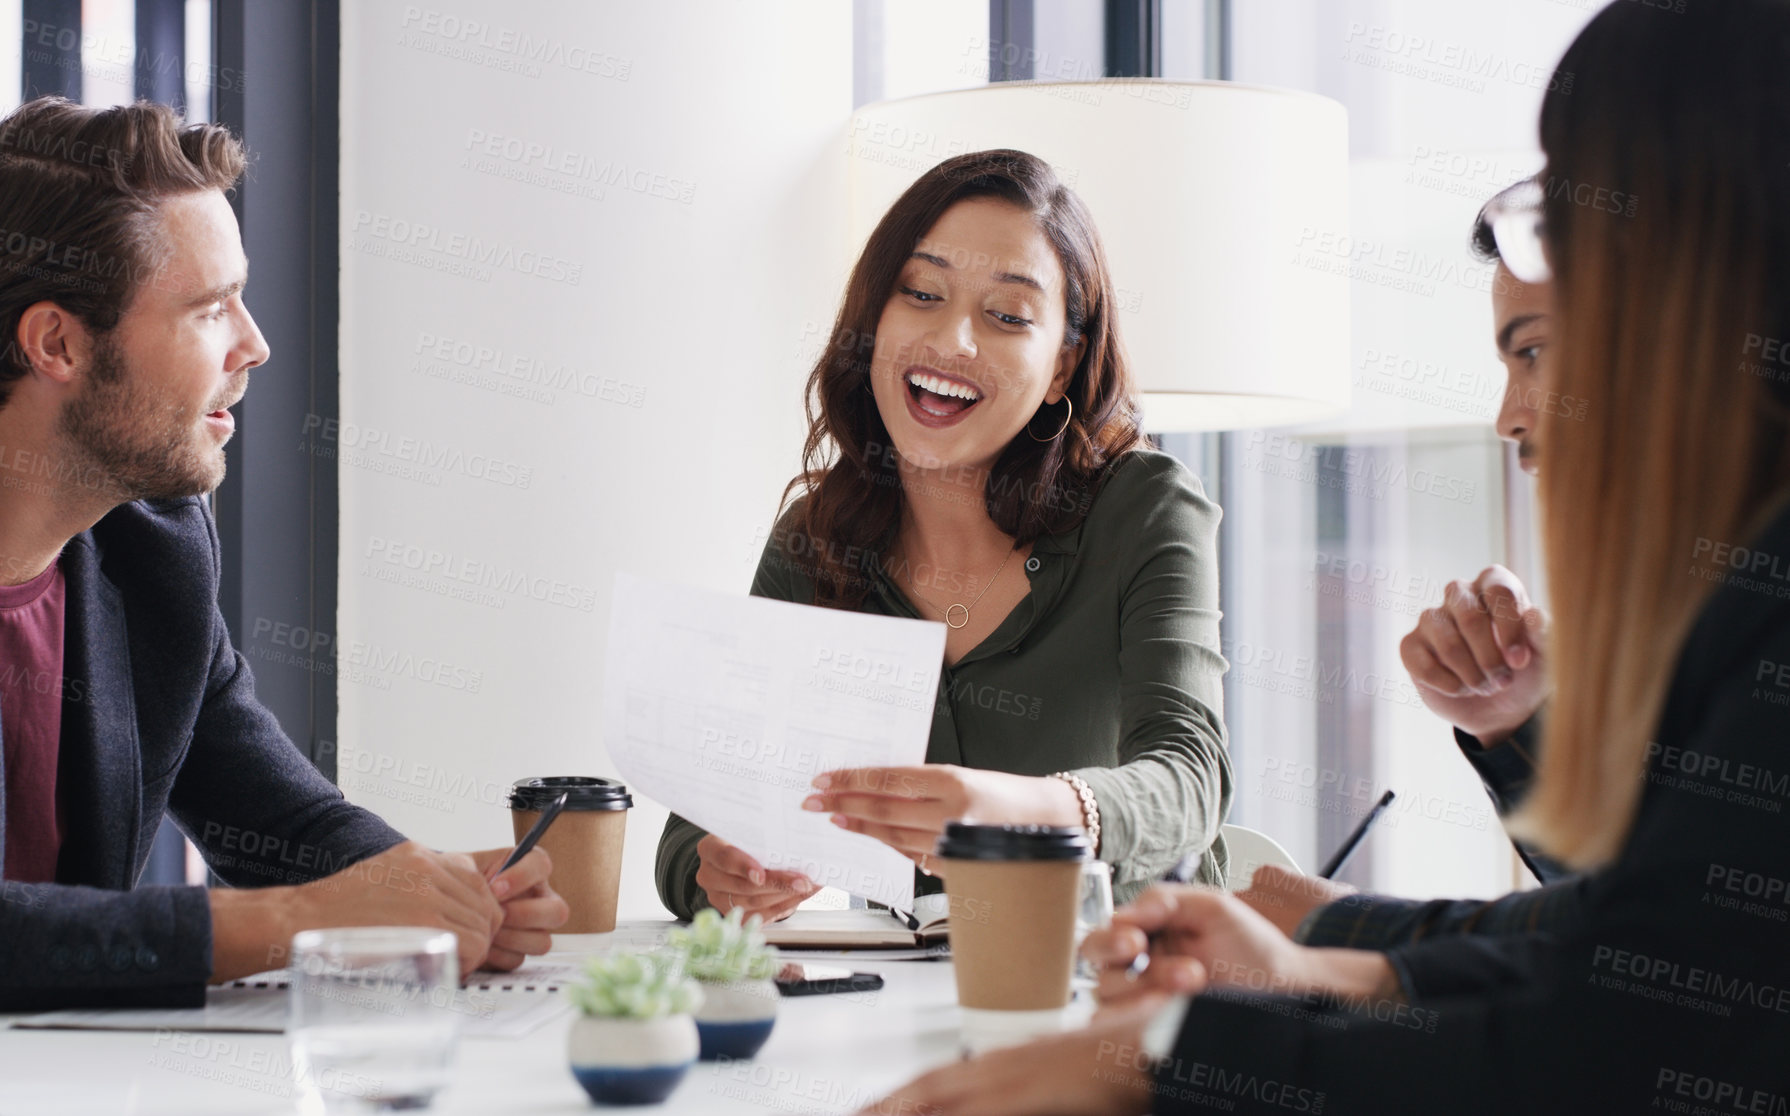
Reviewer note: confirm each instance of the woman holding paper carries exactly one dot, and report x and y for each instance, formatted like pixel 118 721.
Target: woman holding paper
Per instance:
pixel 974 457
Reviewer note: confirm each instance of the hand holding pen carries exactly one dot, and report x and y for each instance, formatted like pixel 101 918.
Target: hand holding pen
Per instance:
pixel 531 908
pixel 1195 937
pixel 534 834
pixel 1178 940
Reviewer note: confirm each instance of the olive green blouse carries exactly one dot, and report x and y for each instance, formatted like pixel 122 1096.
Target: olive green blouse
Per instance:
pixel 1110 668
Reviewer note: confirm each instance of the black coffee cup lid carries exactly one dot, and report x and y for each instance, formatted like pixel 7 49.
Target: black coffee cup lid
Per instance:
pixel 969 841
pixel 583 792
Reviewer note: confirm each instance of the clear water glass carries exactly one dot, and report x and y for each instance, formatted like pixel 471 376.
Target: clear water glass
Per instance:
pixel 372 1017
pixel 1093 912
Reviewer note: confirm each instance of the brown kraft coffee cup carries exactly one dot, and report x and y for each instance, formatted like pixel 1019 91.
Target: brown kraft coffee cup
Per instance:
pixel 584 842
pixel 1013 892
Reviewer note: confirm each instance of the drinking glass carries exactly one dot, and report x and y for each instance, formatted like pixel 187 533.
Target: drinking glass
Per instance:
pixel 372 1017
pixel 1093 912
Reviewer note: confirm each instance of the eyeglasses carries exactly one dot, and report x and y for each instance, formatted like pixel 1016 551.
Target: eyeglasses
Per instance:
pixel 1520 231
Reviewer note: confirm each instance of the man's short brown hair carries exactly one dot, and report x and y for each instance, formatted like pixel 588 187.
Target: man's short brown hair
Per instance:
pixel 80 194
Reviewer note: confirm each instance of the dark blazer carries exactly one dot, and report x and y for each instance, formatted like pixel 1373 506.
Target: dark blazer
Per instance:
pixel 1667 988
pixel 159 715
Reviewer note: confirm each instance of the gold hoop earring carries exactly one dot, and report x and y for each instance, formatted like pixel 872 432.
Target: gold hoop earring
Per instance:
pixel 1060 429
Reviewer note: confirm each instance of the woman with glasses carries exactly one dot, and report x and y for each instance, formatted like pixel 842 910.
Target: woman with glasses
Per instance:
pixel 1665 774
pixel 974 458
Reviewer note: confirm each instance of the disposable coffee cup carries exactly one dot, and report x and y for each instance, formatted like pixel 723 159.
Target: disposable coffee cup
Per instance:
pixel 1013 892
pixel 584 842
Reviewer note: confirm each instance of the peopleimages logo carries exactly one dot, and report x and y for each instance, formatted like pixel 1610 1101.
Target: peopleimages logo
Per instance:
pixel 1726 1096
pixel 457 568
pixel 1310 460
pixel 541 163
pixel 1749 893
pixel 465 248
pixel 510 48
pixel 384 450
pixel 1713 776
pixel 1451 63
pixel 1758 563
pixel 1205 1083
pixel 1674 982
pixel 524 370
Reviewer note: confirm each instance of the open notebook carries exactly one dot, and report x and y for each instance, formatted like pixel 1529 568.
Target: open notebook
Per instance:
pixel 864 928
pixel 503 1005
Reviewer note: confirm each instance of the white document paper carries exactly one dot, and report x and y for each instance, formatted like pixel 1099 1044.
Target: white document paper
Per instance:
pixel 495 1009
pixel 724 707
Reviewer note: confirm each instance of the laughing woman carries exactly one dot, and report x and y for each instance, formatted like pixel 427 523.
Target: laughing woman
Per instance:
pixel 974 457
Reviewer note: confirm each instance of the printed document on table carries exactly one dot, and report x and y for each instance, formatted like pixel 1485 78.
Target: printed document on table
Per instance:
pixel 506 1006
pixel 724 707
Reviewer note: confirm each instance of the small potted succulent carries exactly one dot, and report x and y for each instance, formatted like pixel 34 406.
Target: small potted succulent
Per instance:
pixel 634 1038
pixel 736 968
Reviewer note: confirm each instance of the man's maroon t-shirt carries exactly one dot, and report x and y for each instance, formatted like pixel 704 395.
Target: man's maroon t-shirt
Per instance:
pixel 31 618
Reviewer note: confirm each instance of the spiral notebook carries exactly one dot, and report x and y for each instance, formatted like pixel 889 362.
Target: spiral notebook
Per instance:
pixel 504 1005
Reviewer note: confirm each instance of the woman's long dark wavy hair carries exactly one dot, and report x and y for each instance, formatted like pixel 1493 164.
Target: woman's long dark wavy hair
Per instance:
pixel 847 501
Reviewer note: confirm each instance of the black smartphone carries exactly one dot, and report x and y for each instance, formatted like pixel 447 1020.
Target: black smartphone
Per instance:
pixel 798 979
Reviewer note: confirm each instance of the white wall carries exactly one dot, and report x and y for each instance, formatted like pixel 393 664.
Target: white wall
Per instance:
pixel 628 394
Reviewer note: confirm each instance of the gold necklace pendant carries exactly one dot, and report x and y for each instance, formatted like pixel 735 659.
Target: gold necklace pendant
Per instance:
pixel 951 612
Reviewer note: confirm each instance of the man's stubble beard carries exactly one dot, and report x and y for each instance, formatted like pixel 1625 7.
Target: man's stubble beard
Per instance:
pixel 136 446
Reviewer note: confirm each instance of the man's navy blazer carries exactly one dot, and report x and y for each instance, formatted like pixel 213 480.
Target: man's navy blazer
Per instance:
pixel 159 715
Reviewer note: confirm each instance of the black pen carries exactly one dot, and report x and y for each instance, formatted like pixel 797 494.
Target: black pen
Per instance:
pixel 1348 847
pixel 1181 871
pixel 534 835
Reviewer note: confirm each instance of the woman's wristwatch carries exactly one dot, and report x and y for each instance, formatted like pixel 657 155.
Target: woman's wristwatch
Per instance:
pixel 1090 806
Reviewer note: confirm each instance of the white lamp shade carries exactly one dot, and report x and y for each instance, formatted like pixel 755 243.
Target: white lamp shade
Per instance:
pixel 1209 197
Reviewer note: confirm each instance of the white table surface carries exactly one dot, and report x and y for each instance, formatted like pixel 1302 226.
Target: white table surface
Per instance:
pixel 832 1053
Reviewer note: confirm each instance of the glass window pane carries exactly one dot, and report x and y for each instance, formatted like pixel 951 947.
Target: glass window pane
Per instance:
pixel 200 71
pixel 108 48
pixel 12 15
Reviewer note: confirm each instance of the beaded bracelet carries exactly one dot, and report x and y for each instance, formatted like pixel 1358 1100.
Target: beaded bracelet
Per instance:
pixel 1090 806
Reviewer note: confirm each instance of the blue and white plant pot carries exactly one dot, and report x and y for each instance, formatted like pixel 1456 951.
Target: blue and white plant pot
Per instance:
pixel 631 1061
pixel 736 1018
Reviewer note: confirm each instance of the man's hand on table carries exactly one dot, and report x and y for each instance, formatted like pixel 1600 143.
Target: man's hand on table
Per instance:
pixel 531 909
pixel 406 885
